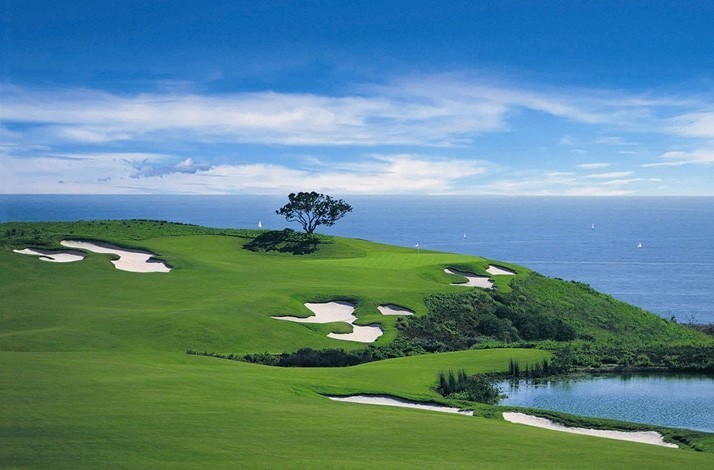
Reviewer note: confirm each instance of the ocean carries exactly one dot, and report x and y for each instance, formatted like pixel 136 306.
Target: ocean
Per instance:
pixel 656 253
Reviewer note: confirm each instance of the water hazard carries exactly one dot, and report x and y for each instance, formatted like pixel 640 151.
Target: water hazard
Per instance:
pixel 681 401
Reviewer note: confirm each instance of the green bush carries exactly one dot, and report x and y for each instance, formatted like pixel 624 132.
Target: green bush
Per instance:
pixel 460 386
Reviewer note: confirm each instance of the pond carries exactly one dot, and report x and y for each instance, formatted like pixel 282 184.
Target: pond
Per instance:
pixel 681 401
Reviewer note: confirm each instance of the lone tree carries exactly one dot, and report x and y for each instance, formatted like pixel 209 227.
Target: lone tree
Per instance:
pixel 313 209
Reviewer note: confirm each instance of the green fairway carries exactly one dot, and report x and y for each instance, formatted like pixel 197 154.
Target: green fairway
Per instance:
pixel 93 370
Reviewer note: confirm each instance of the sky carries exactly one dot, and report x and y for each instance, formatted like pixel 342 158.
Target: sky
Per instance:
pixel 562 98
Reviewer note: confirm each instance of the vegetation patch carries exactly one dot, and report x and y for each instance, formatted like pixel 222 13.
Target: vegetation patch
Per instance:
pixel 285 241
pixel 460 386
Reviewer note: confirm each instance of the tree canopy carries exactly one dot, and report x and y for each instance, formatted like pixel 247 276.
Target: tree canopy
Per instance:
pixel 313 209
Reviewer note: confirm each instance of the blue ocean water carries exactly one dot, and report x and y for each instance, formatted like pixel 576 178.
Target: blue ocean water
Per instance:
pixel 593 240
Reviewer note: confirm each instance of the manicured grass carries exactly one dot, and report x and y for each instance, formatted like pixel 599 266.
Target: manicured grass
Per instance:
pixel 93 370
pixel 217 297
pixel 165 410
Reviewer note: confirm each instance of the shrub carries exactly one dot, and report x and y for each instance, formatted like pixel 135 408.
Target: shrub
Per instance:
pixel 460 386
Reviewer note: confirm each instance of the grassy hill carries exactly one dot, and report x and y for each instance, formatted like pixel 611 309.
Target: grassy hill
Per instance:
pixel 94 370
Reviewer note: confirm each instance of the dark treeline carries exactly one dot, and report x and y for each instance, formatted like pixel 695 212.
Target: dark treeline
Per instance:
pixel 334 357
pixel 308 357
pixel 567 357
pixel 679 358
pixel 538 370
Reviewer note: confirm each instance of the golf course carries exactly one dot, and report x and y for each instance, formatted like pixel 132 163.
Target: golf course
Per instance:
pixel 94 370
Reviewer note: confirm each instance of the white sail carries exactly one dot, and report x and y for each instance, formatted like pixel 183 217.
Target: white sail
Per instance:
pixel 260 224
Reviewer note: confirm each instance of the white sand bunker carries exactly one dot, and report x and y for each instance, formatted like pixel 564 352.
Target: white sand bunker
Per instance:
pixel 473 280
pixel 390 401
pixel 54 256
pixel 361 334
pixel 499 271
pixel 330 312
pixel 325 313
pixel 645 437
pixel 391 309
pixel 129 260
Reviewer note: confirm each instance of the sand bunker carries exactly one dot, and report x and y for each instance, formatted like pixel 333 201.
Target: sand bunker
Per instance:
pixel 330 312
pixel 326 313
pixel 391 309
pixel 645 437
pixel 473 280
pixel 499 271
pixel 390 401
pixel 53 256
pixel 344 312
pixel 129 260
pixel 361 334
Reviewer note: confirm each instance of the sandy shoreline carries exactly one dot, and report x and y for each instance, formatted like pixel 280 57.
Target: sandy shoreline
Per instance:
pixel 644 437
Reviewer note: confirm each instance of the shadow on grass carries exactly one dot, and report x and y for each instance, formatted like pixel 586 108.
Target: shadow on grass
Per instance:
pixel 284 241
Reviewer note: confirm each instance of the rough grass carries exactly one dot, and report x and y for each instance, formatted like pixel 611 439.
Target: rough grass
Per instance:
pixel 93 371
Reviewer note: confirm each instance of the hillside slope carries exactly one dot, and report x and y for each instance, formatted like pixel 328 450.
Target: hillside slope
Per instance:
pixel 94 370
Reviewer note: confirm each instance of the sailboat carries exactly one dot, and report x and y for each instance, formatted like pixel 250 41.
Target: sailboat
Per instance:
pixel 592 227
pixel 639 245
pixel 260 224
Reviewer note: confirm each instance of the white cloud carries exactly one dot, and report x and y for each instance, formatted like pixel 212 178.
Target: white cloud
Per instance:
pixel 597 191
pixel 115 173
pixel 258 117
pixel 613 174
pixel 550 184
pixel 145 168
pixel 172 140
pixel 621 182
pixel 704 156
pixel 613 140
pixel 593 166
pixel 436 110
pixel 89 173
pixel 698 124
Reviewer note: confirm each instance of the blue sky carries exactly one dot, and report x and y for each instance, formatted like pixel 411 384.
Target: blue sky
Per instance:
pixel 214 97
